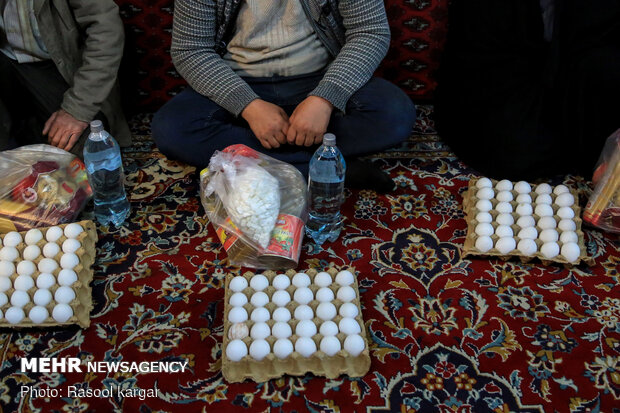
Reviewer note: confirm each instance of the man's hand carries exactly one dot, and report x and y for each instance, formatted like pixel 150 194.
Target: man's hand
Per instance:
pixel 309 121
pixel 269 122
pixel 63 130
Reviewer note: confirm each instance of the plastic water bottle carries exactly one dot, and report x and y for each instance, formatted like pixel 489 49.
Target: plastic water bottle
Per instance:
pixel 326 192
pixel 102 157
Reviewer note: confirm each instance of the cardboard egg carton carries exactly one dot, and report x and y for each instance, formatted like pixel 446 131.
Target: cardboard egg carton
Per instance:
pixel 82 304
pixel 469 248
pixel 295 364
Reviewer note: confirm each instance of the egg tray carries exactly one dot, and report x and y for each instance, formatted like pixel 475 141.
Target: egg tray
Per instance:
pixel 469 247
pixel 82 304
pixel 319 363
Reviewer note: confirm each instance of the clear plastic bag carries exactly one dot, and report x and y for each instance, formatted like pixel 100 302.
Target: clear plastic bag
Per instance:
pixel 603 209
pixel 257 205
pixel 40 185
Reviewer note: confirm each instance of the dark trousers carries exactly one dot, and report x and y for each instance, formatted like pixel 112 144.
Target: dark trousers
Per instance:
pixel 29 94
pixel 191 127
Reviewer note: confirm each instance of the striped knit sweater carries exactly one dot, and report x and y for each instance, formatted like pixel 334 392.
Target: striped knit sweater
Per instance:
pixel 355 32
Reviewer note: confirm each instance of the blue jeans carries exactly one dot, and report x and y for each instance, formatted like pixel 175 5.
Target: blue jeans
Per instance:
pixel 190 127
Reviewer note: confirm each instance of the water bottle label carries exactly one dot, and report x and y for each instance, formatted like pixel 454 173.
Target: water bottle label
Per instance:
pixel 227 238
pixel 286 237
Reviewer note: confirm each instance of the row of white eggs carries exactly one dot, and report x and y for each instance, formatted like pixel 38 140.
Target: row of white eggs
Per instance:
pixel 521 187
pixel 259 282
pixel 545 235
pixel 38 314
pixel 302 295
pixel 66 277
pixel 525 209
pixel 32 252
pixel 526 221
pixel 570 250
pixel 304 328
pixel 42 296
pixel 33 236
pixel 67 261
pixel 562 200
pixel 283 347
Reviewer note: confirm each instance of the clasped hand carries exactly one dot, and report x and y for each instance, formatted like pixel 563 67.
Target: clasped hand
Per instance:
pixel 273 128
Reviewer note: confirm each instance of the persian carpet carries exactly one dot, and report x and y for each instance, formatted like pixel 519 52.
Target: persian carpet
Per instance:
pixel 448 334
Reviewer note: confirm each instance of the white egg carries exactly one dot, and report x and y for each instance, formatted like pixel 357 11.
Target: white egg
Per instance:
pixel 571 251
pixel 67 277
pixel 484 244
pixel 527 246
pixel 547 223
pixel 543 189
pixel 349 326
pixel 346 294
pixel 281 314
pixel 344 278
pixel 354 345
pixel 348 310
pixel 503 207
pixel 565 200
pixel 31 252
pixel 19 298
pixel 259 299
pixel 281 298
pixel 238 331
pixel 7 268
pixel 281 282
pixel 330 345
pixel 259 349
pixel 304 312
pixel 51 249
pixel 236 299
pixel 484 217
pixel 3 299
pixel 323 279
pixel 305 328
pixel 303 295
pixel 62 312
pixel 237 315
pixel 236 350
pixel 53 234
pixel 282 348
pixel 484 205
pixel 524 199
pixel 526 221
pixel 305 346
pixel 38 314
pixel 484 183
pixel 523 187
pixel 259 282
pixel 485 193
pixel 505 219
pixel 14 315
pixel 505 245
pixel 504 196
pixel 12 239
pixel 566 213
pixel 544 199
pixel 26 268
pixel 73 230
pixel 5 284
pixel 42 297
pixel 70 246
pixel 69 261
pixel 567 225
pixel 548 235
pixel 326 311
pixel 550 249
pixel 281 330
pixel 45 280
pixel 328 328
pixel 528 233
pixel 569 236
pixel 484 230
pixel 260 315
pixel 9 254
pixel 260 331
pixel 64 295
pixel 238 284
pixel 47 265
pixel 33 236
pixel 543 210
pixel 560 189
pixel 301 280
pixel 503 231
pixel 23 283
pixel 504 185
pixel 324 295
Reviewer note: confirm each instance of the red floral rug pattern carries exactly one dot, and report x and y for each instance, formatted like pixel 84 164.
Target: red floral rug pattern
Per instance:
pixel 448 334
